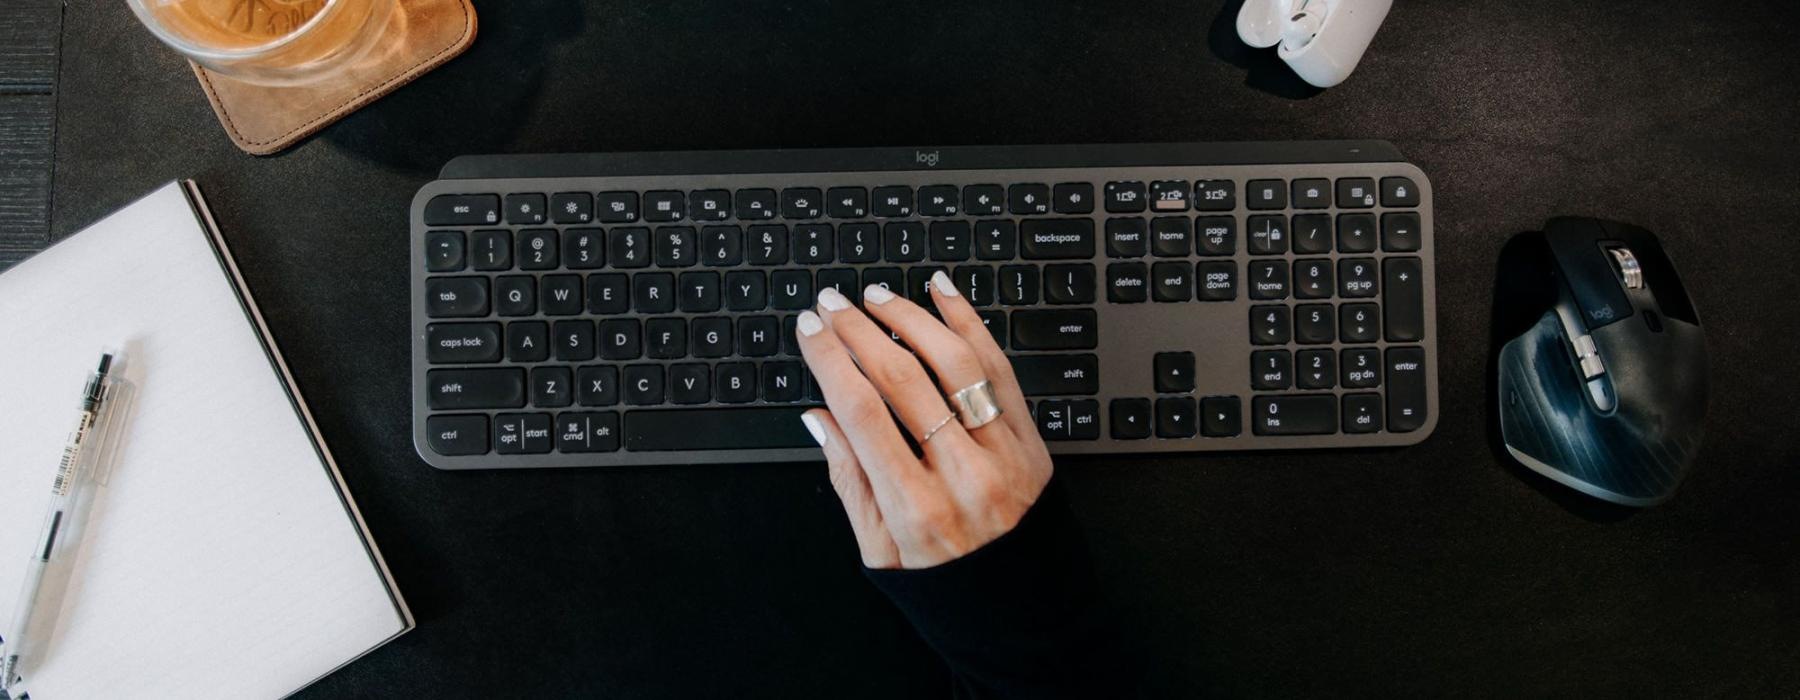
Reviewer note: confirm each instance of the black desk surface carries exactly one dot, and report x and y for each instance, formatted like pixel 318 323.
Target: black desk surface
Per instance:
pixel 1434 570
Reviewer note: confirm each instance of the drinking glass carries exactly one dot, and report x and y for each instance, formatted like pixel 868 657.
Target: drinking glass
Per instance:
pixel 269 42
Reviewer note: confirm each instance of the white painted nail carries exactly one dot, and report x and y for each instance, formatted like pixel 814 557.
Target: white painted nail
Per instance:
pixel 877 294
pixel 941 283
pixel 814 426
pixel 809 324
pixel 832 300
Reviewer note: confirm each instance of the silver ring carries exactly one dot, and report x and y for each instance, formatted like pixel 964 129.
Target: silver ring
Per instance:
pixel 940 426
pixel 977 405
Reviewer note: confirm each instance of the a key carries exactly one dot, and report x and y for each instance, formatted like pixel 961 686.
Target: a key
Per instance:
pixel 1070 284
pixel 1312 234
pixel 616 207
pixel 1073 198
pixel 690 383
pixel 735 382
pixel 462 343
pixel 1057 375
pixel 1311 193
pixel 1361 368
pixel 597 386
pixel 560 295
pixel 1268 235
pixel 643 385
pixel 665 205
pixel 523 433
pixel 1271 370
pixel 1171 236
pixel 573 341
pixel 950 241
pixel 1268 279
pixel 1400 232
pixel 1215 195
pixel 665 338
pixel 755 204
pixel 1127 283
pixel 740 428
pixel 1405 389
pixel 1313 279
pixel 587 432
pixel 711 337
pixel 938 200
pixel 490 250
pixel 607 294
pixel 847 202
pixel 444 251
pixel 814 244
pixel 1055 329
pixel 1056 239
pixel 1362 413
pixel 1399 192
pixel 452 436
pixel 984 200
pixel 1314 324
pixel 1130 419
pixel 801 203
pixel 1171 282
pixel 1355 192
pixel 459 389
pixel 1175 417
pixel 550 387
pixel 1315 369
pixel 1219 416
pixel 996 240
pixel 1356 277
pixel 1127 237
pixel 1356 233
pixel 676 246
pixel 449 297
pixel 629 247
pixel 1217 280
pixel 1404 296
pixel 709 205
pixel 1169 195
pixel 571 207
pixel 462 210
pixel 584 248
pixel 903 242
pixel 1174 372
pixel 1125 197
pixel 1269 325
pixel 527 341
pixel 1313 414
pixel 1265 194
pixel 1359 323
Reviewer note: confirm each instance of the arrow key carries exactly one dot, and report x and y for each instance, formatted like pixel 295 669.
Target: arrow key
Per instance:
pixel 1219 416
pixel 1174 372
pixel 1175 417
pixel 1130 419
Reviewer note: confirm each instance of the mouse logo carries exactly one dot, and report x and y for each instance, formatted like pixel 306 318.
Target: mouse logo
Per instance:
pixel 1604 313
pixel 927 159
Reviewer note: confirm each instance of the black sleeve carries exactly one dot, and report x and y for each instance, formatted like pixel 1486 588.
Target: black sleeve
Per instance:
pixel 1018 617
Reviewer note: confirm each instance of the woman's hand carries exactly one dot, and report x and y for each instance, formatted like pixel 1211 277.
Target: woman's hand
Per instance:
pixel 971 485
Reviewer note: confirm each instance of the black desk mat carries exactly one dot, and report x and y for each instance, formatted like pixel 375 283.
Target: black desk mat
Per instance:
pixel 1433 570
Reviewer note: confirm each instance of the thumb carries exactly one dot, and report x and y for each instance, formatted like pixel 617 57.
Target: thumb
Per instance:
pixel 852 486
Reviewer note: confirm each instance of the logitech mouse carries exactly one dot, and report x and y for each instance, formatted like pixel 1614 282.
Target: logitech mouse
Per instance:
pixel 1606 391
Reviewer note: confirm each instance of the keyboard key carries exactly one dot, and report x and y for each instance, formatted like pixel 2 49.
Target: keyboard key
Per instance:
pixel 462 210
pixel 1269 325
pixel 1312 193
pixel 755 204
pixel 526 209
pixel 1314 324
pixel 1057 239
pixel 1175 417
pixel 1313 279
pixel 1405 389
pixel 451 436
pixel 859 243
pixel 1266 194
pixel 995 240
pixel 903 242
pixel 842 279
pixel 768 245
pixel 1404 297
pixel 938 200
pixel 1057 375
pixel 1217 280
pixel 571 207
pixel 1315 369
pixel 643 385
pixel 653 292
pixel 1127 283
pixel 629 247
pixel 995 321
pixel 449 297
pixel 665 338
pixel 1400 232
pixel 699 292
pixel 814 244
pixel 1362 413
pixel 690 383
pixel 1073 198
pixel 573 341
pixel 1359 323
pixel 1356 278
pixel 1215 195
pixel 1028 199
pixel 515 295
pixel 458 389
pixel 1356 233
pixel 1171 282
pixel 462 343
pixel 711 337
pixel 735 382
pixel 890 278
pixel 801 203
pixel 444 251
pixel 1019 285
pixel 782 382
pixel 1355 192
pixel 587 432
pixel 1069 420
pixel 1399 192
pixel 1171 236
pixel 597 386
pixel 1294 415
pixel 976 282
pixel 621 339
pixel 677 246
pixel 583 248
pixel 716 429
pixel 759 336
pixel 527 341
pixel 550 387
pixel 1169 195
pixel 1124 197
pixel 1130 419
pixel 1312 234
pixel 607 294
pixel 1127 237
pixel 1174 372
pixel 491 250
pixel 746 290
pixel 710 205
pixel 950 241
pixel 847 203
pixel 1268 235
pixel 1218 235
pixel 1219 416
pixel 984 200
pixel 1055 329
pixel 1069 284
pixel 1268 279
pixel 895 201
pixel 522 433
pixel 617 207
pixel 790 290
pixel 560 294
pixel 1271 370
pixel 665 205
pixel 1361 368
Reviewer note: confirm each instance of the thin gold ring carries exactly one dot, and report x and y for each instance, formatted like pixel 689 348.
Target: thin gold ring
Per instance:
pixel 935 428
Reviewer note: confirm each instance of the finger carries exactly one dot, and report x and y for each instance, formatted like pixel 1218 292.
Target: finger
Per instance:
pixel 896 374
pixel 858 411
pixel 955 363
pixel 962 319
pixel 852 486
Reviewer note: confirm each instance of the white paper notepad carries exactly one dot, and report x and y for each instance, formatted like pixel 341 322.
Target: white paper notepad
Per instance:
pixel 224 557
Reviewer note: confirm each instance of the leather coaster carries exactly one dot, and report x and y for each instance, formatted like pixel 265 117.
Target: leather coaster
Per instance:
pixel 262 119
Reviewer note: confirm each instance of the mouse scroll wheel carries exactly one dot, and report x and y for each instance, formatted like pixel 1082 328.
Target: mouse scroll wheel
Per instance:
pixel 1626 265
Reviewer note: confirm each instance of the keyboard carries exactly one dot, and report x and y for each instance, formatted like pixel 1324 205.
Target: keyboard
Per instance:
pixel 639 309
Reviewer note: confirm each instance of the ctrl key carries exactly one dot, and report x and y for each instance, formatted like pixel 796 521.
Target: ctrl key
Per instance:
pixel 453 436
pixel 1069 420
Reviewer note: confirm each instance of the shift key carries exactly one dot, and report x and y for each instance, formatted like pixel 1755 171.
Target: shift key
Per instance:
pixel 1057 375
pixel 454 389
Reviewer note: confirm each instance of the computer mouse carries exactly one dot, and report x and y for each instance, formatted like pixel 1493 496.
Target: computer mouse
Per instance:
pixel 1606 391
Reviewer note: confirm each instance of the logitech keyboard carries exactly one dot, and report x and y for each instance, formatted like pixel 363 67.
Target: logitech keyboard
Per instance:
pixel 633 309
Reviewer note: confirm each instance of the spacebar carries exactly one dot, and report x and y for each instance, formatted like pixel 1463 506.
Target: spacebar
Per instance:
pixel 716 429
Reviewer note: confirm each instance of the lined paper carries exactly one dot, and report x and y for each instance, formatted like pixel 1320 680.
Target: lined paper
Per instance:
pixel 219 560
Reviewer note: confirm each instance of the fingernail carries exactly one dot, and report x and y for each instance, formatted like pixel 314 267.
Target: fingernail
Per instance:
pixel 832 300
pixel 813 425
pixel 809 324
pixel 940 283
pixel 877 294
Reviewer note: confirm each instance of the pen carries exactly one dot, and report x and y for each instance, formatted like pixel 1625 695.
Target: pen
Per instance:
pixel 73 478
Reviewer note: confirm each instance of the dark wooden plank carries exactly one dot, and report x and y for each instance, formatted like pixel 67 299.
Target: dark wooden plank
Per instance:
pixel 28 45
pixel 25 153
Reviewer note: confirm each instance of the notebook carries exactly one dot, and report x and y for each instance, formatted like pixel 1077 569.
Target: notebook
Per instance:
pixel 223 556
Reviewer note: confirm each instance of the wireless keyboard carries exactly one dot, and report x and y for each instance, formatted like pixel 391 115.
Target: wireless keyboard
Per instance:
pixel 633 309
